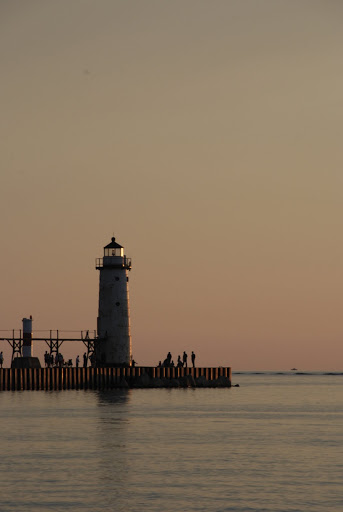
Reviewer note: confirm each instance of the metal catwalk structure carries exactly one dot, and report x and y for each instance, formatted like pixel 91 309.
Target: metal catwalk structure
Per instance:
pixel 54 341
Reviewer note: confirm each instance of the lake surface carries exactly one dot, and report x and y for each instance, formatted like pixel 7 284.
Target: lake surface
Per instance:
pixel 273 444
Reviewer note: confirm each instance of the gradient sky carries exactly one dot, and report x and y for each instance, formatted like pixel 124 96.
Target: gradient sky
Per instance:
pixel 207 137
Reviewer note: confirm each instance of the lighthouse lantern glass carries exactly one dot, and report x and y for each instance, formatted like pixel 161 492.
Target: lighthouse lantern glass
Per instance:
pixel 114 251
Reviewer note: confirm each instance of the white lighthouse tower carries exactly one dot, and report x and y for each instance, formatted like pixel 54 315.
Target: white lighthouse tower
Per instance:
pixel 114 347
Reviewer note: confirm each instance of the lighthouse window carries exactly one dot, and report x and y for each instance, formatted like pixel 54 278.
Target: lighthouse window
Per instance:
pixel 117 303
pixel 119 251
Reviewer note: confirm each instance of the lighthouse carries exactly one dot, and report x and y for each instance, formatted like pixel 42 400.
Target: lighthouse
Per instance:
pixel 114 346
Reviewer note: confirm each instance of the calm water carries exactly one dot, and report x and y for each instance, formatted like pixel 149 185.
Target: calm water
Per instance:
pixel 274 444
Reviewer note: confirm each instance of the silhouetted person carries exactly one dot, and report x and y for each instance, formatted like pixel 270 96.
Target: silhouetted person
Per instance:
pixel 46 359
pixel 179 362
pixel 1 359
pixel 133 363
pixel 184 359
pixel 77 361
pixel 85 360
pixel 92 359
pixel 193 359
pixel 169 357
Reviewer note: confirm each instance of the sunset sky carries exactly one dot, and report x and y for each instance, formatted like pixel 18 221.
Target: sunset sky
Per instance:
pixel 206 136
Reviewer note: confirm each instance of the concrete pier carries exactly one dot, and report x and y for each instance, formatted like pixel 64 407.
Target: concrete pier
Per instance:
pixel 54 379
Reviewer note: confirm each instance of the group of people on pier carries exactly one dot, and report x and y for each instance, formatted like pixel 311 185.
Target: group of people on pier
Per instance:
pixel 92 360
pixel 181 363
pixel 58 360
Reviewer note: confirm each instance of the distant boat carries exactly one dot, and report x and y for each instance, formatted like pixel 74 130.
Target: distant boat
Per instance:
pixel 294 368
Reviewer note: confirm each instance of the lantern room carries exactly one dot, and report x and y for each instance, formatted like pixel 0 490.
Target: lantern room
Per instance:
pixel 113 249
pixel 114 257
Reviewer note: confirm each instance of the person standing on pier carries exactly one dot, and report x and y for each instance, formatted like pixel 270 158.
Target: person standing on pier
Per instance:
pixel 77 361
pixel 92 360
pixel 85 360
pixel 1 359
pixel 46 358
pixel 184 359
pixel 193 359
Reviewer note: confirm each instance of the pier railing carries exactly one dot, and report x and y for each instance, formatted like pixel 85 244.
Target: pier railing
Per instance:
pixel 123 262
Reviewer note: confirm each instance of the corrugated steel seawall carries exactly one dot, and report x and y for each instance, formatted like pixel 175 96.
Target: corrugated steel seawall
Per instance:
pixel 12 379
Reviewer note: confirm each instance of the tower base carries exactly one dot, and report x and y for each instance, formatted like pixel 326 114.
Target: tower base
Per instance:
pixel 25 362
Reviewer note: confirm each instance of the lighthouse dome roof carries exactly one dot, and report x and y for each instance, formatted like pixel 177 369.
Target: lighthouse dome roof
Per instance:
pixel 113 245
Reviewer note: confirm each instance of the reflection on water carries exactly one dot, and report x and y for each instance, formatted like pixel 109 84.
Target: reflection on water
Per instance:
pixel 273 444
pixel 112 470
pixel 63 450
pixel 115 396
